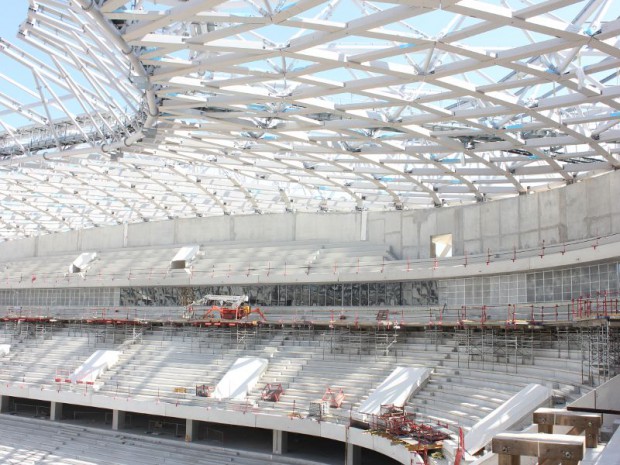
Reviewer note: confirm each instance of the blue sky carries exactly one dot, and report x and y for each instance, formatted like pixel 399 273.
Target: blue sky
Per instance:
pixel 11 18
pixel 15 75
pixel 430 23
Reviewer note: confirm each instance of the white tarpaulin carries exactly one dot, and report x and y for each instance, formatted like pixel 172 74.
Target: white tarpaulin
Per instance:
pixel 83 262
pixel 507 415
pixel 184 257
pixel 96 364
pixel 240 378
pixel 396 389
pixel 5 349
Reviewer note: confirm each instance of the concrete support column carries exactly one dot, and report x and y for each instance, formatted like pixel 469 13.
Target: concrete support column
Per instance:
pixel 56 411
pixel 118 419
pixel 191 429
pixel 4 404
pixel 353 454
pixel 280 442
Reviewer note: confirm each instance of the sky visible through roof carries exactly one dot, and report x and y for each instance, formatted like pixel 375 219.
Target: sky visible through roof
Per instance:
pixel 12 17
pixel 10 20
pixel 33 69
pixel 434 25
pixel 309 105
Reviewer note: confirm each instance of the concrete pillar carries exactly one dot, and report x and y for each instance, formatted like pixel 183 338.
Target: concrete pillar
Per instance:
pixel 56 411
pixel 118 419
pixel 191 429
pixel 4 404
pixel 280 442
pixel 353 454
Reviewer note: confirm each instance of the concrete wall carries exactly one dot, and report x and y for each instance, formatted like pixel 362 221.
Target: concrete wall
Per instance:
pixel 583 210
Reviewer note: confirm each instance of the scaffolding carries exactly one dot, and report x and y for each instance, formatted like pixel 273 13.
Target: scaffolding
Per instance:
pixel 567 341
pixel 20 331
pixel 486 347
pixel 8 331
pixel 110 334
pixel 614 349
pixel 380 342
pixel 303 335
pixel 246 338
pixel 600 351
pixel 433 336
pixel 595 342
pixel 226 338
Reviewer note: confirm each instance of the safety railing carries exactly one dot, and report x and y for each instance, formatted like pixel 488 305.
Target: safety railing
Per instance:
pixel 598 305
pixel 240 272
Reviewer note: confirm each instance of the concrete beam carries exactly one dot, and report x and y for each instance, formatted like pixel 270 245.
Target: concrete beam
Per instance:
pixel 56 411
pixel 191 429
pixel 118 419
pixel 4 404
pixel 280 442
pixel 353 454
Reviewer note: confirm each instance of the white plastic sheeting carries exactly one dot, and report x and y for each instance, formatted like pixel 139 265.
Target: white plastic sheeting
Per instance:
pixel 397 388
pixel 82 262
pixel 184 257
pixel 94 366
pixel 240 378
pixel 507 415
pixel 5 349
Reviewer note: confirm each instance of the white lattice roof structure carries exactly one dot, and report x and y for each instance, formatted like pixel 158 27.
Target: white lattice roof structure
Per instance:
pixel 126 111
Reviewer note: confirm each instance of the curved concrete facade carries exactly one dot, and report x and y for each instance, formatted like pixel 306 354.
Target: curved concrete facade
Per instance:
pixel 583 210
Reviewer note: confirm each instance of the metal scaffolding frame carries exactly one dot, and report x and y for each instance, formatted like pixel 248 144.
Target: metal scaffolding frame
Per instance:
pixel 600 351
pixel 359 342
pixel 225 338
pixel 433 335
pixel 596 342
pixel 19 331
pixel 492 345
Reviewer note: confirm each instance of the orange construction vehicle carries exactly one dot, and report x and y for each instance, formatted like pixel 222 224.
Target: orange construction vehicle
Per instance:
pixel 227 307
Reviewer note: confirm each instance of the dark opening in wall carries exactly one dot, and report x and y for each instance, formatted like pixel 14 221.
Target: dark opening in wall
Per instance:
pixel 85 415
pixel 28 407
pixel 320 449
